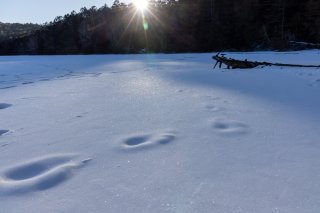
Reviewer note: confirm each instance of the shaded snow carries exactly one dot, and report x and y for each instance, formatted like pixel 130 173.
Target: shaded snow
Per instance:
pixel 163 133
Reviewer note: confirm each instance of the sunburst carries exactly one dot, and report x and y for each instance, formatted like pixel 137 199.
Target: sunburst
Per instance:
pixel 141 5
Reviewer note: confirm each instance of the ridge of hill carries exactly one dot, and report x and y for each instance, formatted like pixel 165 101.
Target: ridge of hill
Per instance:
pixel 16 30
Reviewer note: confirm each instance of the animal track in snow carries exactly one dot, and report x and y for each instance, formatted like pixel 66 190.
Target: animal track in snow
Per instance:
pixel 147 140
pixel 39 174
pixel 229 127
pixel 4 105
pixel 2 131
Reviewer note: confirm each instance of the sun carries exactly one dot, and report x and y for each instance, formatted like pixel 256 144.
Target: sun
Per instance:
pixel 141 5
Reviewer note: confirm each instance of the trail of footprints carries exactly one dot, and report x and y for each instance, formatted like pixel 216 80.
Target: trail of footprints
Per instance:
pixel 39 174
pixel 224 127
pixel 50 171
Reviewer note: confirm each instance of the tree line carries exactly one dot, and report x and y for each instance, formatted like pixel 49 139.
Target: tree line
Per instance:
pixel 175 26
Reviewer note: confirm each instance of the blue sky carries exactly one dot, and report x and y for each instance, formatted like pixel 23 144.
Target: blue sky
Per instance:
pixel 40 11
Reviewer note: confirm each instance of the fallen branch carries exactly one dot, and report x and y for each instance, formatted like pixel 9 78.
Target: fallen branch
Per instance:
pixel 245 64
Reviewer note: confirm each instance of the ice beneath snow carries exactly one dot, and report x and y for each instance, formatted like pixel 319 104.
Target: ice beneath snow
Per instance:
pixel 159 133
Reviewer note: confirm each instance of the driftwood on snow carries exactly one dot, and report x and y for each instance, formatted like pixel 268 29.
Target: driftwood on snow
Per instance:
pixel 245 64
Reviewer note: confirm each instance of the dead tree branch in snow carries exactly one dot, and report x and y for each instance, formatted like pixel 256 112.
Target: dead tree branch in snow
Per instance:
pixel 245 64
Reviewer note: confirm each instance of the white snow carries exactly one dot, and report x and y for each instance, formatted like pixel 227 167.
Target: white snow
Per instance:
pixel 159 133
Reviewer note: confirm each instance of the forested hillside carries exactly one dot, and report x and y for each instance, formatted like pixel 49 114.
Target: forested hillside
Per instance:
pixel 176 26
pixel 12 31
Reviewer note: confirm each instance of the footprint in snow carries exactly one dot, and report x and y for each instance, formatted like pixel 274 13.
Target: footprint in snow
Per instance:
pixel 229 127
pixel 180 91
pixel 3 131
pixel 96 74
pixel 213 108
pixel 28 82
pixel 39 174
pixel 4 145
pixel 8 87
pixel 5 105
pixel 45 79
pixel 147 140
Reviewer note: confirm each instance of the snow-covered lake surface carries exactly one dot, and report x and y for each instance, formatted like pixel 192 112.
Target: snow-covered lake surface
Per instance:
pixel 159 133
